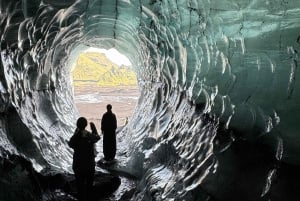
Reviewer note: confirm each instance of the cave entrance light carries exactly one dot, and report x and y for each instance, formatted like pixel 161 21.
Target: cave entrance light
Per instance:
pixel 102 77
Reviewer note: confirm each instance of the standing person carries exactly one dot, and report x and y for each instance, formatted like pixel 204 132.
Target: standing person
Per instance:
pixel 108 128
pixel 83 143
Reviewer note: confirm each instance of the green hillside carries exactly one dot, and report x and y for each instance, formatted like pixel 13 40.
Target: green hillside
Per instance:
pixel 94 68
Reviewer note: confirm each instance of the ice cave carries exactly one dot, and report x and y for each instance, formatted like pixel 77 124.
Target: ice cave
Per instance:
pixel 216 118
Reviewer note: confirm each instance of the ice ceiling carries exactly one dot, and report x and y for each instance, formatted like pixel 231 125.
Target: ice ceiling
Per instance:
pixel 202 65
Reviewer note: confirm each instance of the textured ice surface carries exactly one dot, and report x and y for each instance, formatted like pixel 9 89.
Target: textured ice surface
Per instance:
pixel 219 90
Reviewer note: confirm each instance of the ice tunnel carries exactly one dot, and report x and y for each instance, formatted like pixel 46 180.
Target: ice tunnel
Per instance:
pixel 218 111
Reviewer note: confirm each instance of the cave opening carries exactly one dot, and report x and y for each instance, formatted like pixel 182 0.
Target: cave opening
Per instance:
pixel 101 77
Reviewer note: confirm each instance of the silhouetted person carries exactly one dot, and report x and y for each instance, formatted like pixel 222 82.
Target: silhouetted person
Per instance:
pixel 83 143
pixel 108 128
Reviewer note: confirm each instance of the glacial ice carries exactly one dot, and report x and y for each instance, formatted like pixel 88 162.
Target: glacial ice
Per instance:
pixel 219 105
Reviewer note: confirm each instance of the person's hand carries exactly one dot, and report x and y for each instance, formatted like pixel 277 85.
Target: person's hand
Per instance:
pixel 93 127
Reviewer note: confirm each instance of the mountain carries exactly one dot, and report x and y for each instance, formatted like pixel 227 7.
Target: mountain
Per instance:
pixel 94 68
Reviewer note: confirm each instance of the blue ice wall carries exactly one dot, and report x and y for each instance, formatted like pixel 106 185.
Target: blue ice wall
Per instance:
pixel 218 90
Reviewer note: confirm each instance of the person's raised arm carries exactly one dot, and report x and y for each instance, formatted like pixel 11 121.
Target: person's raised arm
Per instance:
pixel 95 135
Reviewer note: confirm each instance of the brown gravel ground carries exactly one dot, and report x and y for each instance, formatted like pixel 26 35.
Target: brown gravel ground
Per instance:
pixel 122 99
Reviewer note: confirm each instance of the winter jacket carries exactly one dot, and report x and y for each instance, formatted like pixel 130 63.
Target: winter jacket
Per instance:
pixel 83 143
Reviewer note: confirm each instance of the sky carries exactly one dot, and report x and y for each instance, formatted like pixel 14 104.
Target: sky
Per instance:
pixel 112 54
